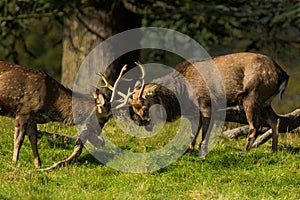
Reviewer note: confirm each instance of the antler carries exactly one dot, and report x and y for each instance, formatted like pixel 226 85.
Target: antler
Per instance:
pixel 116 83
pixel 110 87
pixel 142 77
pixel 107 85
pixel 125 99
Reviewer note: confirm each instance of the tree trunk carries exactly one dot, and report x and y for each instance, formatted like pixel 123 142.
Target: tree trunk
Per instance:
pixel 89 27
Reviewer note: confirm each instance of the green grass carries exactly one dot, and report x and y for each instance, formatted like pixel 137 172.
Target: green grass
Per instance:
pixel 227 173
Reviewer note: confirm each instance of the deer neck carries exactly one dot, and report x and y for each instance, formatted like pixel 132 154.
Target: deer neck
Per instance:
pixel 74 108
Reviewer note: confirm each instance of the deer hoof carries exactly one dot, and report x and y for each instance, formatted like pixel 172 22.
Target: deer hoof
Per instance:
pixel 37 162
pixel 203 151
pixel 249 143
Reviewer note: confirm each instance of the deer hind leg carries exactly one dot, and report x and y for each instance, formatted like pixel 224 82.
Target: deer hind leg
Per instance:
pixel 32 135
pixel 19 135
pixel 252 115
pixel 272 119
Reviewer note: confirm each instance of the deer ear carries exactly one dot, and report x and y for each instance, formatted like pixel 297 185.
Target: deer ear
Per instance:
pixel 99 102
pixel 96 93
pixel 151 91
pixel 100 99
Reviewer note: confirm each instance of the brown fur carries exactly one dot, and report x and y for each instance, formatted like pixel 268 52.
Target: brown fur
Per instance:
pixel 251 80
pixel 33 97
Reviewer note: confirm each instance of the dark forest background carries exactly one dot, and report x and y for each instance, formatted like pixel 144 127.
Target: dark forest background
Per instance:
pixel 56 35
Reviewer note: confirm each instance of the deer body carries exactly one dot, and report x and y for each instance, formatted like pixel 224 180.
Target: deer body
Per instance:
pixel 33 97
pixel 250 80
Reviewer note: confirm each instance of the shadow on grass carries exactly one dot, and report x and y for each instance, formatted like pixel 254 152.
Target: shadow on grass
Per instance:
pixel 91 159
pixel 58 143
pixel 224 157
pixel 290 149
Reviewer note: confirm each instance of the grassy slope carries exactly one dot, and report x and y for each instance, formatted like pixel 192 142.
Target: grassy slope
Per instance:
pixel 227 173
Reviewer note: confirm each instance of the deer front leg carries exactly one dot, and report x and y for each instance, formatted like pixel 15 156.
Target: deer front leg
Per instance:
pixel 92 134
pixel 76 153
pixel 205 137
pixel 196 126
pixel 193 139
pixel 20 131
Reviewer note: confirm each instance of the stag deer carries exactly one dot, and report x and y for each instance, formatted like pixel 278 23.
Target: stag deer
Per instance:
pixel 250 80
pixel 33 97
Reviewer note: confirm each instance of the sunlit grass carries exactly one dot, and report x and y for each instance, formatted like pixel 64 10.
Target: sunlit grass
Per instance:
pixel 227 173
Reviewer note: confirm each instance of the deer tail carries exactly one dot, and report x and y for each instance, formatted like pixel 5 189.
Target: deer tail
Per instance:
pixel 282 82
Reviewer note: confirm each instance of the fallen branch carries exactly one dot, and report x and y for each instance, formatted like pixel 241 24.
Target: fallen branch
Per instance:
pixel 86 135
pixel 288 122
pixel 76 153
pixel 242 131
pixel 263 138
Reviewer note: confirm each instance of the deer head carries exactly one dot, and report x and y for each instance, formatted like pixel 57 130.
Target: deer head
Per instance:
pixel 139 104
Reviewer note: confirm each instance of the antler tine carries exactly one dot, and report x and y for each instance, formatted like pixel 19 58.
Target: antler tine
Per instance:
pixel 107 85
pixel 125 97
pixel 116 83
pixel 143 79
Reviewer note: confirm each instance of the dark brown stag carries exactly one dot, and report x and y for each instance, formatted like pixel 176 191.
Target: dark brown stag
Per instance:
pixel 250 80
pixel 33 97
